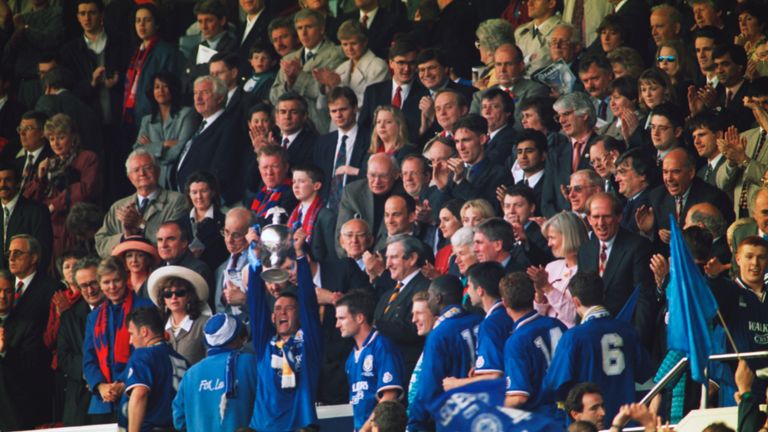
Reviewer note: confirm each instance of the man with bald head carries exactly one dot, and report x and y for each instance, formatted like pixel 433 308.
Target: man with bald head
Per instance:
pixel 510 68
pixel 230 293
pixel 681 189
pixel 757 224
pixel 665 23
pixel 365 198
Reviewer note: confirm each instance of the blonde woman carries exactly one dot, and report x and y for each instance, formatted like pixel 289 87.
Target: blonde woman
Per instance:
pixel 475 211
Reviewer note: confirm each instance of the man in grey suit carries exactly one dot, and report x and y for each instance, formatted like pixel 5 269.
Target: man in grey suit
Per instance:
pixel 296 68
pixel 229 292
pixel 510 68
pixel 365 198
pixel 143 212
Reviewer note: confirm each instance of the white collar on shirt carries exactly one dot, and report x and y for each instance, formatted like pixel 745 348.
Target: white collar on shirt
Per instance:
pixel 371 15
pixel 186 324
pixel 27 280
pixel 534 179
pixel 404 283
pixel 290 137
pixel 249 23
pixel 209 121
pixel 10 205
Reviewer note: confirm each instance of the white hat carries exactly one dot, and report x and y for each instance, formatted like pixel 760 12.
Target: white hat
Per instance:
pixel 158 276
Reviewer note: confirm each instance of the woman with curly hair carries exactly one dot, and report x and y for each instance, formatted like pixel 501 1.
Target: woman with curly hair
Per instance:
pixel 70 176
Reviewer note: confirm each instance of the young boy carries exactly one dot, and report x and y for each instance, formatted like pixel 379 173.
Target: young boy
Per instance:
pixel 263 60
pixel 307 182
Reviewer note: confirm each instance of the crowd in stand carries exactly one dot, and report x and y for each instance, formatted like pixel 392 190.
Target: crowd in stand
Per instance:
pixel 472 190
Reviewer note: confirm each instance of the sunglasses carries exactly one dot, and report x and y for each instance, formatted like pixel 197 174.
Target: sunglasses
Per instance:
pixel 669 58
pixel 178 293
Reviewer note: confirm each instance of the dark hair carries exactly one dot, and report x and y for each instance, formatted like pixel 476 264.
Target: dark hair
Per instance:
pixel 759 87
pixel 260 107
pixel 506 100
pixel 148 317
pixel 6 165
pixel 68 254
pixel 598 60
pixel 582 426
pixel 153 9
pixel 410 203
pixel 753 240
pixel 210 7
pixel 543 107
pixel 453 206
pixel 496 229
pixel 517 291
pixel 449 287
pixel 194 304
pixel 461 100
pixel 343 92
pixel 538 138
pixel 588 287
pixel 706 120
pixel 209 179
pixel 639 161
pixel 39 117
pixel 616 23
pixel 757 10
pixel 429 54
pixel 174 87
pixel 314 172
pixel 737 53
pixel 56 78
pixel 522 191
pixel 84 219
pixel 487 276
pixel 99 4
pixel 292 95
pixel 265 48
pixel 390 416
pixel 473 122
pixel 699 241
pixel 359 301
pixel 573 402
pixel 612 144
pixel 183 236
pixel 626 86
pixel 671 112
pixel 709 32
pixel 401 47
pixel 230 59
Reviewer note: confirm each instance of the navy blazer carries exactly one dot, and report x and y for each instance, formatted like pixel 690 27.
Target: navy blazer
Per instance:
pixel 325 155
pixel 558 170
pixel 628 221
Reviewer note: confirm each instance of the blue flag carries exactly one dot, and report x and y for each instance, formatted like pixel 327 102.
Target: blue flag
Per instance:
pixel 628 310
pixel 691 306
pixel 479 407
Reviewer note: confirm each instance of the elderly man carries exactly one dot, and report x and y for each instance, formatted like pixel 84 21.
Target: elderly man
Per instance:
pixel 216 147
pixel 596 73
pixel 565 45
pixel 665 23
pixel 532 36
pixel 393 313
pixel 296 68
pixel 757 225
pixel 366 197
pixel 584 184
pixel 229 292
pixel 34 147
pixel 214 38
pixel 634 175
pixel 510 67
pixel 143 212
pixel 577 116
pixel 602 156
pixel 710 218
pixel 25 358
pixel 275 188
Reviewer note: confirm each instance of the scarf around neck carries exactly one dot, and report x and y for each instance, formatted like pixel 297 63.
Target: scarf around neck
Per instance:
pixel 121 345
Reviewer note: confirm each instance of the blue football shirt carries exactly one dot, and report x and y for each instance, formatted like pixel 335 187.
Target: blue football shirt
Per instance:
pixel 491 335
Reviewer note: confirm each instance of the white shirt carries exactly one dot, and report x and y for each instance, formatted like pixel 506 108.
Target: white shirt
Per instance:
pixel 208 215
pixel 249 23
pixel 35 155
pixel 350 146
pixel 493 133
pixel 151 196
pixel 97 45
pixel 290 137
pixel 209 120
pixel 3 100
pixel 405 89
pixel 186 324
pixel 713 163
pixel 608 250
pixel 229 96
pixel 10 205
pixel 25 281
pixel 371 15
pixel 408 279
pixel 534 179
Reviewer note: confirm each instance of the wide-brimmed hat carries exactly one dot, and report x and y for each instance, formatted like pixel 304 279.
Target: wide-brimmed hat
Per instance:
pixel 221 329
pixel 159 276
pixel 137 243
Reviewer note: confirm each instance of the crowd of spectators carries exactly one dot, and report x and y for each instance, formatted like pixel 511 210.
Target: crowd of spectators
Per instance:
pixel 473 190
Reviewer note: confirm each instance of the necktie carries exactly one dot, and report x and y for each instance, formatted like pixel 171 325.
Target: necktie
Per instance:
pixel 535 32
pixel 17 296
pixel 678 207
pixel 188 145
pixel 659 160
pixel 708 174
pixel 397 100
pixel 743 203
pixel 6 219
pixel 509 92
pixel 393 296
pixel 603 258
pixel 28 169
pixel 364 20
pixel 525 182
pixel 728 96
pixel 577 147
pixel 308 56
pixel 286 141
pixel 602 109
pixel 300 215
pixel 337 186
pixel 143 204
pixel 232 266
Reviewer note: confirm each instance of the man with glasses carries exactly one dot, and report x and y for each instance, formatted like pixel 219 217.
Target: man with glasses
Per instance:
pixel 69 345
pixel 22 216
pixel 25 355
pixel 577 116
pixel 634 174
pixel 602 157
pixel 142 212
pixel 584 184
pixel 532 36
pixel 229 292
pixel 34 148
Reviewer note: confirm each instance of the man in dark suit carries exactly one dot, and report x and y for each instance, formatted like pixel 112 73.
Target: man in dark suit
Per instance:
pixel 498 108
pixel 518 207
pixel 393 313
pixel 173 249
pixel 473 174
pixel 403 91
pixel 57 99
pixel 381 24
pixel 25 354
pixel 635 15
pixel 730 66
pixel 680 191
pixel 216 146
pixel 69 345
pixel 622 259
pixel 706 128
pixel 22 216
pixel 10 114
pixel 602 155
pixel 531 158
pixel 214 38
pixel 634 177
pixel 34 147
pixel 710 218
pixel 251 31
pixel 439 115
pixel 434 73
pixel 341 154
pixel 494 240
pixel 577 116
pixel 291 117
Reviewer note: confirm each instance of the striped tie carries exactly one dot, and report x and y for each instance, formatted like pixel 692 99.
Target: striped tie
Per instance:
pixel 393 296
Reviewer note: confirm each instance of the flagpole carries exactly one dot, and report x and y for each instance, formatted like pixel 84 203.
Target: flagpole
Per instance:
pixel 727 333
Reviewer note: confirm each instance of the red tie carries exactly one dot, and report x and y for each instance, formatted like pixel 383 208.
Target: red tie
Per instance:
pixel 286 141
pixel 577 147
pixel 364 21
pixel 728 96
pixel 19 286
pixel 603 258
pixel 397 100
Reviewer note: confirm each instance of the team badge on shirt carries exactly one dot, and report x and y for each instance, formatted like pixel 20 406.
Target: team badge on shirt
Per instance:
pixel 368 364
pixel 480 362
pixel 387 378
pixel 130 372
